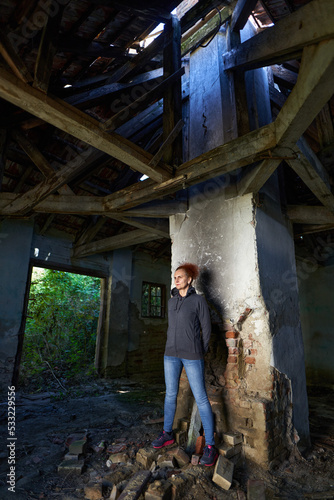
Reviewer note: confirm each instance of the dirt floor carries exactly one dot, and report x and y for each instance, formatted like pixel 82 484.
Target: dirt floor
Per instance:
pixel 125 416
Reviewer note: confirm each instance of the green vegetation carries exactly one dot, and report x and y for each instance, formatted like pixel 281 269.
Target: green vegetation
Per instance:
pixel 60 333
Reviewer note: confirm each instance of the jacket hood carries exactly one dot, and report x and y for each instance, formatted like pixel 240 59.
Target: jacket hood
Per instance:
pixel 175 292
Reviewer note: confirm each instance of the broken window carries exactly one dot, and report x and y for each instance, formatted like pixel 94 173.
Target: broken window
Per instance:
pixel 153 300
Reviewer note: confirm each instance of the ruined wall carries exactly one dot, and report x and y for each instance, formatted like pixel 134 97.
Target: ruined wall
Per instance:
pixel 316 286
pixel 133 345
pixel 15 242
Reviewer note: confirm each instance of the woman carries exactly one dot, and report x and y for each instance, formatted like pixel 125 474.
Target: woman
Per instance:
pixel 188 314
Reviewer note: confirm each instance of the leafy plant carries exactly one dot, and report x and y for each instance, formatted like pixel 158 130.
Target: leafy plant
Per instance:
pixel 60 333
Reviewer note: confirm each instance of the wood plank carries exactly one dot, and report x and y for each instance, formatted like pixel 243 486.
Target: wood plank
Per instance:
pixel 91 230
pixel 89 98
pixel 159 228
pixel 124 240
pixel 139 60
pixel 197 12
pixel 37 158
pixel 169 140
pixel 308 25
pixel 325 127
pixel 172 98
pixel 47 50
pixel 78 124
pixel 284 77
pixel 13 60
pixel 313 174
pixel 303 214
pixel 313 89
pixel 253 181
pixel 241 13
pixel 127 112
pixel 190 43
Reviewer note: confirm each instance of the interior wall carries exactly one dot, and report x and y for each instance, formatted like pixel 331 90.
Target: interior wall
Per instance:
pixel 316 288
pixel 15 243
pixel 133 345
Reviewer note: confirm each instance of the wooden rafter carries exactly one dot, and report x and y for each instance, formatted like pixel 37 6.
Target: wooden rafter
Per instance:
pixel 78 124
pixel 13 59
pixel 307 26
pixel 129 238
pixel 241 13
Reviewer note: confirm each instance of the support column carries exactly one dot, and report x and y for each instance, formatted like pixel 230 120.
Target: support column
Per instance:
pixel 244 250
pixel 15 243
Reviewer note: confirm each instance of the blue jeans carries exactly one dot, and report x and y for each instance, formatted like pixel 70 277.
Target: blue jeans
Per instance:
pixel 195 373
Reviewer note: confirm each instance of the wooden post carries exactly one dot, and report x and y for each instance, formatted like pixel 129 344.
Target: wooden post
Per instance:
pixel 172 99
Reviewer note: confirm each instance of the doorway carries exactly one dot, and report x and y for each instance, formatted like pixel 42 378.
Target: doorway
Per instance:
pixel 58 340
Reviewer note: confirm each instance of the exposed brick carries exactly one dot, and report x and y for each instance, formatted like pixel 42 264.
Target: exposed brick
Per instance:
pixel 223 473
pixel 232 438
pixel 71 466
pixel 136 485
pixel 181 456
pixel 250 360
pixel 145 456
pixel 232 342
pixel 195 459
pixel 233 350
pixel 228 450
pixel 160 489
pixel 232 359
pixel 93 491
pixel 200 443
pixel 253 352
pixel 231 335
pixel 181 437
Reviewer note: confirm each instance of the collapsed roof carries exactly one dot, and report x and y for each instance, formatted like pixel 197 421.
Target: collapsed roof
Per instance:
pixel 91 97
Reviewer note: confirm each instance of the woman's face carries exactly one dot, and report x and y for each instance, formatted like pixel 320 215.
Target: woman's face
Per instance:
pixel 182 281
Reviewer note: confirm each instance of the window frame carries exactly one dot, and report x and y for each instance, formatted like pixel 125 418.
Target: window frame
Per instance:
pixel 149 315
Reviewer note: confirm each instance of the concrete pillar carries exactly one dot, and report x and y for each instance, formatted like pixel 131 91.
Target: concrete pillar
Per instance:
pixel 244 249
pixel 15 243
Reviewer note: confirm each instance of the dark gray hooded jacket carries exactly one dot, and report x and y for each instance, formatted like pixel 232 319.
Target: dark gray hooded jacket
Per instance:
pixel 187 316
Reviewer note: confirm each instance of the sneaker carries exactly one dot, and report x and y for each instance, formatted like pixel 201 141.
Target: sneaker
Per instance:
pixel 164 439
pixel 210 455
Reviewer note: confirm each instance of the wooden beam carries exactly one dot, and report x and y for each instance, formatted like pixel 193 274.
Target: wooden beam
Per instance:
pixel 123 240
pixel 310 170
pixel 172 98
pixel 284 77
pixel 191 43
pixel 307 26
pixel 23 204
pixel 37 158
pixel 223 159
pixel 159 228
pixel 313 89
pixel 325 127
pixel 169 140
pixel 89 233
pixel 253 181
pixel 89 98
pixel 241 13
pixel 198 12
pixel 139 60
pixel 13 59
pixel 302 214
pixel 78 124
pixel 127 112
pixel 47 50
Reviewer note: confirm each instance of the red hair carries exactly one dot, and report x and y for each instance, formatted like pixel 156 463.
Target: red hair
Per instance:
pixel 191 270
